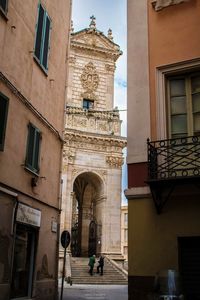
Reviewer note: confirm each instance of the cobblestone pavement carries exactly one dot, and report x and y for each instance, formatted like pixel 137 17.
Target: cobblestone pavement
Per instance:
pixel 96 292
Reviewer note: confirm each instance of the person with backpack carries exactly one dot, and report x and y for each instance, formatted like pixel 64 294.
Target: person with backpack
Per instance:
pixel 101 265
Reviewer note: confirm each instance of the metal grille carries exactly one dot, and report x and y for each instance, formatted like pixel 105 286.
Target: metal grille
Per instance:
pixel 174 158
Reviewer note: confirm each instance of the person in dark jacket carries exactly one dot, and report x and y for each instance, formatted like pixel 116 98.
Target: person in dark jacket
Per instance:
pixel 101 265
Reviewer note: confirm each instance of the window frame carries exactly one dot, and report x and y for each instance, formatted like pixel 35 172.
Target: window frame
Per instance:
pixel 40 59
pixel 4 12
pixel 162 72
pixel 187 77
pixel 88 102
pixel 36 151
pixel 2 142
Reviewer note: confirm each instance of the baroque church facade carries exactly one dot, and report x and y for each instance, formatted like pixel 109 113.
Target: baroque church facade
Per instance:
pixel 92 159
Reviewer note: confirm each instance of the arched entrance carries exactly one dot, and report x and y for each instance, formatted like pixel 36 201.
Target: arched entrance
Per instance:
pixel 87 215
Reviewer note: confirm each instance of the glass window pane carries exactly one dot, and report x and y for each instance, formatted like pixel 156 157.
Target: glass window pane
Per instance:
pixel 177 87
pixel 178 105
pixel 196 103
pixel 195 81
pixel 179 124
pixel 196 120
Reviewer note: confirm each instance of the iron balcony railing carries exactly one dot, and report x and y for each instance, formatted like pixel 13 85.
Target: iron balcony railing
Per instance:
pixel 174 158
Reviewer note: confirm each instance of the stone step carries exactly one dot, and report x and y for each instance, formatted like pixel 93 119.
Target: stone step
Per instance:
pixel 80 275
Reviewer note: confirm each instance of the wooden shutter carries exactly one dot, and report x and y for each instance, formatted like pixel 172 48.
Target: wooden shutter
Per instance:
pixel 3 119
pixel 38 42
pixel 3 4
pixel 30 146
pixel 46 43
pixel 33 147
pixel 36 150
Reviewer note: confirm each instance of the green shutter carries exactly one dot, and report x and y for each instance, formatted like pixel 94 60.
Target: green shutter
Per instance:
pixel 33 148
pixel 3 119
pixel 30 146
pixel 38 42
pixel 46 43
pixel 36 151
pixel 42 37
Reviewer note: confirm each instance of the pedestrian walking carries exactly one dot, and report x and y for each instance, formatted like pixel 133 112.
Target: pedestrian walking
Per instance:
pixel 91 264
pixel 101 265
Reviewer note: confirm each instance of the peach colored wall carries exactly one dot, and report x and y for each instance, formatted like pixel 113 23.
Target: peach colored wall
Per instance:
pixel 173 37
pixel 45 92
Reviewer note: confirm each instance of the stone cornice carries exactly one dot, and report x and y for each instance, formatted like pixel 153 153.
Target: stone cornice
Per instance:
pixel 97 139
pixel 109 115
pixel 106 52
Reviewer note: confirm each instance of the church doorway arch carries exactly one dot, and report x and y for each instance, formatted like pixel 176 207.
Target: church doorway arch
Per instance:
pixel 87 215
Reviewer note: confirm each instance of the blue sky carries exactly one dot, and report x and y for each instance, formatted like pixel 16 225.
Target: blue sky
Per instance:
pixel 109 14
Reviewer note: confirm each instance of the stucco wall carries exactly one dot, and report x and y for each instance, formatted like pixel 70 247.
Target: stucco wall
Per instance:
pixel 154 246
pixel 17 38
pixel 173 37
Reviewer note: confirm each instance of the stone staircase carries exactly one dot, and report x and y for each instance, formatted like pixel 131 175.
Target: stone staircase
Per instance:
pixel 79 273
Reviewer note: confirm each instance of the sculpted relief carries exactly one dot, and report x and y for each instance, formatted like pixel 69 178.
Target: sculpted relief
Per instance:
pixel 90 78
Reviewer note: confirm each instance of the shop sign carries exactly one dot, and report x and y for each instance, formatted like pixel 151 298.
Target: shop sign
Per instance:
pixel 28 215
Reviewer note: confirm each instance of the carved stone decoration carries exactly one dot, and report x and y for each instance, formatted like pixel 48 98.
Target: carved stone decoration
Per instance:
pixel 72 60
pixel 69 155
pixel 102 125
pixel 160 4
pixel 116 162
pixel 110 68
pixel 89 95
pixel 90 78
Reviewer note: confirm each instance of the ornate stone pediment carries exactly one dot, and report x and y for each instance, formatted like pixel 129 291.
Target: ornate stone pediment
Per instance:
pixel 94 40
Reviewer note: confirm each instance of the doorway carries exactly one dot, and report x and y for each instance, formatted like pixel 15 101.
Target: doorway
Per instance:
pixel 23 262
pixel 189 266
pixel 92 246
pixel 87 214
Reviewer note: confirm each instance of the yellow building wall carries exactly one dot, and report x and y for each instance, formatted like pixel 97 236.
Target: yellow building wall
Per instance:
pixel 152 237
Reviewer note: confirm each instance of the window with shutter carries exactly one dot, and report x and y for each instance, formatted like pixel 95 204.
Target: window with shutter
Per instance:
pixel 42 37
pixel 33 148
pixel 3 119
pixel 4 5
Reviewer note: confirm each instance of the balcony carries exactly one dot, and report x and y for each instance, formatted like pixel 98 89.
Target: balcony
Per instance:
pixel 172 162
